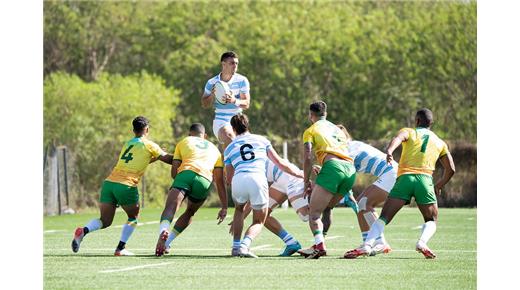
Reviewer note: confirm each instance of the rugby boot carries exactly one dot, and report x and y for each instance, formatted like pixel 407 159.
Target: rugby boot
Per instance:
pixel 160 248
pixel 319 250
pixel 123 252
pixel 380 248
pixel 363 250
pixel 78 237
pixel 423 249
pixel 290 249
pixel 246 253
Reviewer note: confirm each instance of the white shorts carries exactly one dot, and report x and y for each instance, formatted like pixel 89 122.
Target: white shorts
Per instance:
pixel 250 187
pixel 217 124
pixel 291 188
pixel 387 180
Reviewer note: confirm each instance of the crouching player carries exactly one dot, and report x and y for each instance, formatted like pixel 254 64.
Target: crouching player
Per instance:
pixel 421 150
pixel 120 187
pixel 196 163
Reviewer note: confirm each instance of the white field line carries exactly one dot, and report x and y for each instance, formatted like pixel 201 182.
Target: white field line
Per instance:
pixel 417 227
pixel 118 226
pixel 260 247
pixel 53 231
pixel 333 237
pixel 135 267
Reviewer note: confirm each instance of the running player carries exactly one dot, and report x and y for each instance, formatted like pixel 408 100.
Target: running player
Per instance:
pixel 120 187
pixel 235 103
pixel 369 160
pixel 196 163
pixel 421 150
pixel 336 177
pixel 284 186
pixel 245 160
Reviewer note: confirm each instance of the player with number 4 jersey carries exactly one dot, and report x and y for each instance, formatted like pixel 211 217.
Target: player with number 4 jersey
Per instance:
pixel 421 150
pixel 245 159
pixel 120 187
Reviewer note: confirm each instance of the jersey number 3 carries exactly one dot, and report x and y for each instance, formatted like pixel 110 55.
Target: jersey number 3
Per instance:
pixel 247 155
pixel 127 156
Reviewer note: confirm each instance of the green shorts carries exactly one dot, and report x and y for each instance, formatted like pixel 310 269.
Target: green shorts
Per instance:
pixel 195 186
pixel 118 193
pixel 418 185
pixel 337 176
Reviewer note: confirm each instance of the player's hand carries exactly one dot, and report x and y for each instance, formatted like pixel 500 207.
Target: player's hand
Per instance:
pixel 389 158
pixel 153 159
pixel 308 189
pixel 437 189
pixel 230 99
pixel 221 215
pixel 316 169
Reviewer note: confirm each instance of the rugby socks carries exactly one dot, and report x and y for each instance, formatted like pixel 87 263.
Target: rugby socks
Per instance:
pixel 236 244
pixel 428 230
pixel 318 237
pixel 128 229
pixel 364 235
pixel 286 237
pixel 376 230
pixel 92 225
pixel 246 242
pixel 165 225
pixel 175 232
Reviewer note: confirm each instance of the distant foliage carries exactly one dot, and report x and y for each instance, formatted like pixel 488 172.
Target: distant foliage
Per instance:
pixel 374 62
pixel 94 119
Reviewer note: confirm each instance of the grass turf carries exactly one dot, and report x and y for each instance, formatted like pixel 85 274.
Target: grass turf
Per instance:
pixel 201 255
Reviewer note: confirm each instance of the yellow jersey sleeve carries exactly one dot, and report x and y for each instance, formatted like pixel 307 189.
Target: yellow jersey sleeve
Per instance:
pixel 154 149
pixel 307 136
pixel 177 153
pixel 219 162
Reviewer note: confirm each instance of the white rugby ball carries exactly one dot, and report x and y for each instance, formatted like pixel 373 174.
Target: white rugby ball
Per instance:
pixel 221 89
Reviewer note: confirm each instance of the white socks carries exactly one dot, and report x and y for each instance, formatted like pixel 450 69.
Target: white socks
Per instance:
pixel 94 225
pixel 376 230
pixel 428 230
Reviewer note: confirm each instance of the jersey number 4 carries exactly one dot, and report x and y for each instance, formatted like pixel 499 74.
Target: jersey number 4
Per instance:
pixel 127 156
pixel 247 155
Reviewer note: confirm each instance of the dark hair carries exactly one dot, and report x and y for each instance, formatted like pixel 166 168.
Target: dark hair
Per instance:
pixel 240 123
pixel 424 117
pixel 197 128
pixel 227 55
pixel 139 124
pixel 318 108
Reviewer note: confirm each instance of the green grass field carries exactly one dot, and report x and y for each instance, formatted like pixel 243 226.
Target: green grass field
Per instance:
pixel 201 255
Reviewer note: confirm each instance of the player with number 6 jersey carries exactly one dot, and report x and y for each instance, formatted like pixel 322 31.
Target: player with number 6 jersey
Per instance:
pixel 421 150
pixel 245 159
pixel 120 187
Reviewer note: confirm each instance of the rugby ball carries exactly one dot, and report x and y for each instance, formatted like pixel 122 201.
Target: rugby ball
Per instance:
pixel 221 89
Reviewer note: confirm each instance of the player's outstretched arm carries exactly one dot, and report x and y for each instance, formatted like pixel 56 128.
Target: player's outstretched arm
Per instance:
pixel 283 164
pixel 449 170
pixel 396 141
pixel 175 167
pixel 168 158
pixel 218 177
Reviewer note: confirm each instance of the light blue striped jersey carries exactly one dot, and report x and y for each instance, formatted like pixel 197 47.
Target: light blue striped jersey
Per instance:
pixel 368 159
pixel 248 153
pixel 238 84
pixel 274 173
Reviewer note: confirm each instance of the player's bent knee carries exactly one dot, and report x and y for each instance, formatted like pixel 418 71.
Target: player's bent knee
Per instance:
pixel 272 203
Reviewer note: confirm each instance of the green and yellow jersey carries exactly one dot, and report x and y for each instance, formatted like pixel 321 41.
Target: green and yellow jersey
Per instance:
pixel 326 137
pixel 133 160
pixel 420 151
pixel 198 155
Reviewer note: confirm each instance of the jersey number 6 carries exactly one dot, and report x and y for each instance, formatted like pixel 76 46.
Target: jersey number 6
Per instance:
pixel 244 153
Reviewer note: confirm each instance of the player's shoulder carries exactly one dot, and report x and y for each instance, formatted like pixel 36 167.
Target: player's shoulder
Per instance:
pixel 240 77
pixel 214 79
pixel 260 138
